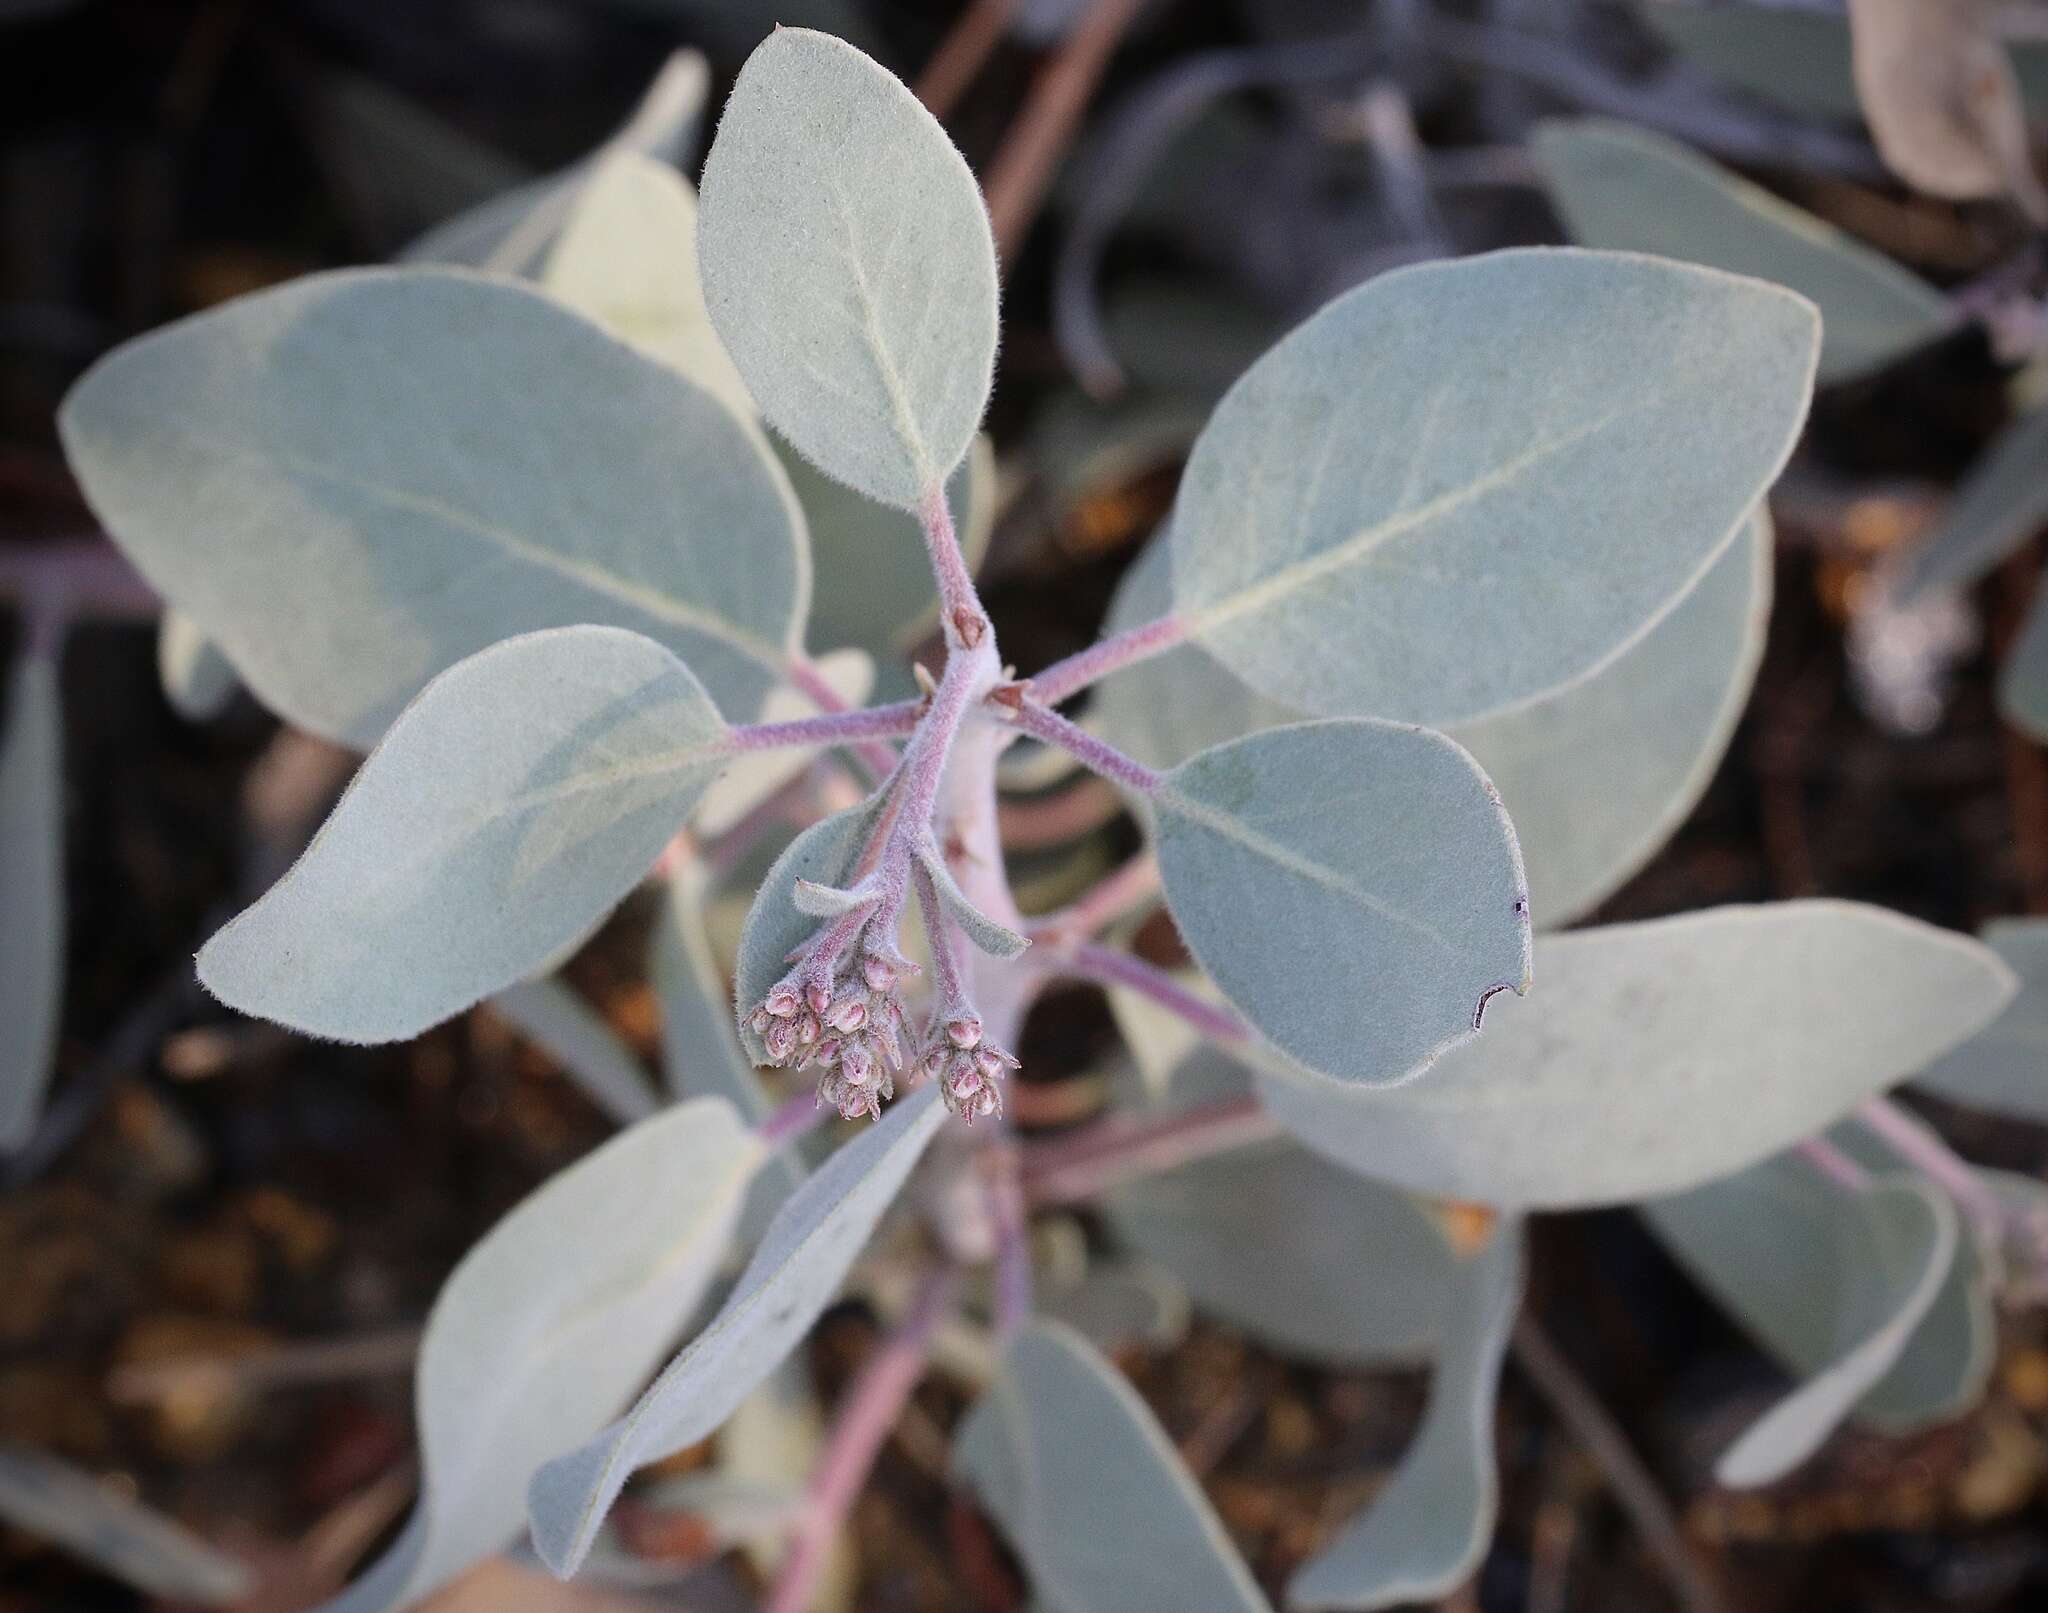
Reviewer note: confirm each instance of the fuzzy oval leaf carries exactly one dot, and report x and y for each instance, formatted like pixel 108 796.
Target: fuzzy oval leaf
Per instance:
pixel 550 1323
pixel 1941 100
pixel 552 1015
pixel 1659 1055
pixel 354 480
pixel 197 679
pixel 791 1279
pixel 116 1534
pixel 31 892
pixel 824 854
pixel 1322 867
pixel 1998 505
pixel 1089 1490
pixel 1302 1255
pixel 849 268
pixel 1635 190
pixel 2005 1068
pixel 515 801
pixel 1465 484
pixel 1426 1532
pixel 1831 1281
pixel 1651 725
pixel 627 257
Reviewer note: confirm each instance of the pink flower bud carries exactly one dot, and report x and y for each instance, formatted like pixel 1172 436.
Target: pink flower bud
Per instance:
pixel 782 1002
pixel 780 1040
pixel 819 995
pixel 857 1064
pixel 759 1020
pixel 879 973
pixel 963 1032
pixel 848 1014
pixel 808 1030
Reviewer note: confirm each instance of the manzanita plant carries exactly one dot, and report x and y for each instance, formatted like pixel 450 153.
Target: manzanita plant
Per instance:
pixel 547 548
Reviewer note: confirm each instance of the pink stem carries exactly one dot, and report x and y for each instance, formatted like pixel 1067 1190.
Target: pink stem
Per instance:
pixel 792 1118
pixel 1835 1165
pixel 1013 1239
pixel 872 1406
pixel 1098 756
pixel 949 995
pixel 834 728
pixel 89 572
pixel 1123 890
pixel 960 611
pixel 1064 679
pixel 804 675
pixel 1919 1146
pixel 1082 1167
pixel 1106 966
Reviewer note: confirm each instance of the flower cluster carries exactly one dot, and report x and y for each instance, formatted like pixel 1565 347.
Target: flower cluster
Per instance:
pixel 850 1023
pixel 968 1067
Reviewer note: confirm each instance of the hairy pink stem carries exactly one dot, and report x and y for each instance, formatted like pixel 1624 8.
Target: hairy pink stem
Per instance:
pixel 834 728
pixel 1097 755
pixel 804 675
pixel 1123 890
pixel 1106 966
pixel 1065 679
pixel 1918 1145
pixel 872 1406
pixel 1080 1168
pixel 960 612
pixel 948 994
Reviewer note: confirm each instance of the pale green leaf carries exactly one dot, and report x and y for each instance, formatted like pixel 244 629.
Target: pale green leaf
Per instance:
pixel 627 257
pixel 1655 1056
pixel 791 1279
pixel 1463 485
pixel 1427 1531
pixel 511 232
pixel 1086 1486
pixel 119 1536
pixel 849 267
pixel 1635 190
pixel 1942 1371
pixel 198 680
pixel 2023 680
pixel 1300 1254
pixel 354 480
pixel 554 1017
pixel 1831 1281
pixel 1352 886
pixel 521 795
pixel 2005 1068
pixel 1651 725
pixel 549 1324
pixel 756 775
pixel 1998 505
pixel 700 1050
pixel 31 892
pixel 824 854
pixel 874 580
